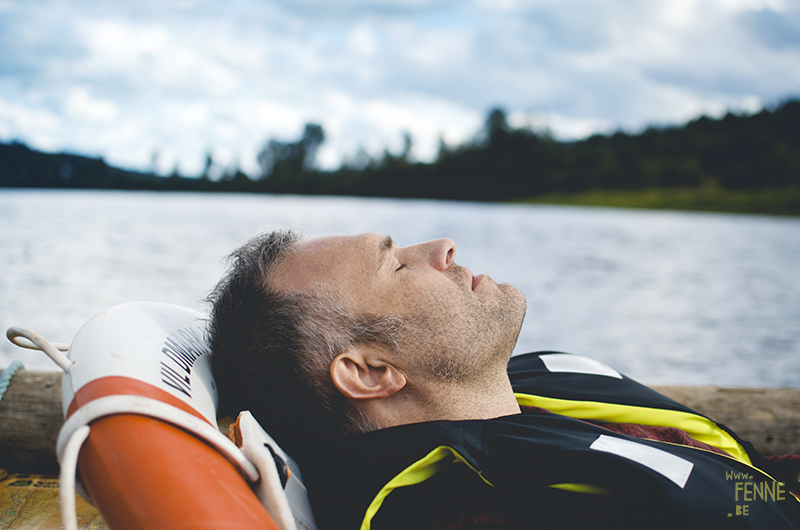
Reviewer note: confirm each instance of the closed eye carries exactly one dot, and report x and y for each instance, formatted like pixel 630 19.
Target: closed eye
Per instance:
pixel 402 266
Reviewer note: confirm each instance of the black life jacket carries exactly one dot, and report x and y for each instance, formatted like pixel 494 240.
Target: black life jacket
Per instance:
pixel 556 469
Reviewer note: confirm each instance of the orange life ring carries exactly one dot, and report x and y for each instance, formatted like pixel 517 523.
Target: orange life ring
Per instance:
pixel 140 407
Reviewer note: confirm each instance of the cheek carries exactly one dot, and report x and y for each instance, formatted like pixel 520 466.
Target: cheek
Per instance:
pixel 410 296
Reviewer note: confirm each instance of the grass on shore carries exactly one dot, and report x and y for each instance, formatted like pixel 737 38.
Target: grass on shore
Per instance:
pixel 783 201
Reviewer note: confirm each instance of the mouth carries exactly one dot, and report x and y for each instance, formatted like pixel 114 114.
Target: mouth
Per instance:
pixel 472 280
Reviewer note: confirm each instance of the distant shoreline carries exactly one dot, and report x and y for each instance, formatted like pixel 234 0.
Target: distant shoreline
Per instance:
pixel 782 202
pixel 771 201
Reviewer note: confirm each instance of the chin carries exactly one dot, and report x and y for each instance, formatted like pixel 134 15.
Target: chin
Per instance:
pixel 514 300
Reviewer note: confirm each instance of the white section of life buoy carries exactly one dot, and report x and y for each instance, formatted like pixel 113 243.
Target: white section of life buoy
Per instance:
pixel 160 344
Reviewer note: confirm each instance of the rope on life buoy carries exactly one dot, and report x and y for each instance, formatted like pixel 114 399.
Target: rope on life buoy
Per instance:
pixel 67 477
pixel 25 338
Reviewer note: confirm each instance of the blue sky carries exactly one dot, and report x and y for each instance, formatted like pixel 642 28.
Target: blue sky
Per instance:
pixel 127 79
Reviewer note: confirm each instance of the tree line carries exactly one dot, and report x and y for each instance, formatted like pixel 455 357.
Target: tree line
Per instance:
pixel 735 152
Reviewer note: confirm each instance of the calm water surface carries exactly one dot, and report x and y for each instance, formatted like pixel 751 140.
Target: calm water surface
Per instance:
pixel 665 297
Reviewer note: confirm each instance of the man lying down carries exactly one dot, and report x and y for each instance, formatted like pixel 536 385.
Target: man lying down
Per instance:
pixel 386 372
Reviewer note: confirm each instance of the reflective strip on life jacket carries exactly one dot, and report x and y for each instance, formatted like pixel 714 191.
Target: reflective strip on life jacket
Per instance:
pixel 697 427
pixel 416 473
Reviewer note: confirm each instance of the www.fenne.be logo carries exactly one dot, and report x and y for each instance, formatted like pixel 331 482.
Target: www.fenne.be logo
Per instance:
pixel 748 490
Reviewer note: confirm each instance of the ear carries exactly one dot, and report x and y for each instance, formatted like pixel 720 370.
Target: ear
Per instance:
pixel 361 373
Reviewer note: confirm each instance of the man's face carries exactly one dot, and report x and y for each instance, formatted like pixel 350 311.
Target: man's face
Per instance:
pixel 456 325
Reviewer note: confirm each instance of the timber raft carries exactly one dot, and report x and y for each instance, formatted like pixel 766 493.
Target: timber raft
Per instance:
pixel 30 415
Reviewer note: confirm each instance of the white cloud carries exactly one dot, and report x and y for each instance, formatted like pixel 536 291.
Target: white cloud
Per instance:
pixel 81 107
pixel 362 42
pixel 150 58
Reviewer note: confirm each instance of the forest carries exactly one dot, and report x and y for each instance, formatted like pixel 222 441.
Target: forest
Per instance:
pixel 737 152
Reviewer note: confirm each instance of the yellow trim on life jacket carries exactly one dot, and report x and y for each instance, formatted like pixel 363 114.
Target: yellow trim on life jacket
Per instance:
pixel 416 473
pixel 700 428
pixel 581 488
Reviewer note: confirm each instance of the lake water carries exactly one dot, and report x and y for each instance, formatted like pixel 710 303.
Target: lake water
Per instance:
pixel 665 297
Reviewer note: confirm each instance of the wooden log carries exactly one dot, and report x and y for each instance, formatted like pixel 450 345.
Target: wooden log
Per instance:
pixel 30 417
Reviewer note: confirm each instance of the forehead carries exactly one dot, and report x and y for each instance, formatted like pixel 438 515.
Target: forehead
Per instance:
pixel 330 262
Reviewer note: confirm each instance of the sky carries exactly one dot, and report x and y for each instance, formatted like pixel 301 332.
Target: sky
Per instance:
pixel 158 84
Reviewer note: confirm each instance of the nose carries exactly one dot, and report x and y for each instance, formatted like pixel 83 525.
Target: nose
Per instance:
pixel 440 253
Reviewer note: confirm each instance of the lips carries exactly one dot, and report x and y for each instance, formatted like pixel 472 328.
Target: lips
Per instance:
pixel 472 280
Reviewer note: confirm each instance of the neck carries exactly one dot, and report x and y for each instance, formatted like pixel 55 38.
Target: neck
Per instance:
pixel 445 401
